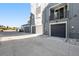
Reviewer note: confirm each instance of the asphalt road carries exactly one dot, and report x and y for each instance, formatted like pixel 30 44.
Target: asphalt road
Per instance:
pixel 36 46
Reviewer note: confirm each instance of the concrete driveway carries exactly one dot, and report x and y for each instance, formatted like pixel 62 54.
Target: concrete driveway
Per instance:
pixel 38 46
pixel 23 44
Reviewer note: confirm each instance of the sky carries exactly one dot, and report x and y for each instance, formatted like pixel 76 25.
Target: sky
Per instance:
pixel 14 14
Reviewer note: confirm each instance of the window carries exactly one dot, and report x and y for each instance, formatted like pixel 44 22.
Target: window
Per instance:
pixel 66 12
pixel 61 13
pixel 38 12
pixel 58 13
pixel 51 14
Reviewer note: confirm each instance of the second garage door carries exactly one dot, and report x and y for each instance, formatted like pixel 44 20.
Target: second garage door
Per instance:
pixel 33 29
pixel 58 30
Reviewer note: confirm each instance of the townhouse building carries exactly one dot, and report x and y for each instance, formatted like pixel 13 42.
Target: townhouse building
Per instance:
pixel 62 20
pixel 55 19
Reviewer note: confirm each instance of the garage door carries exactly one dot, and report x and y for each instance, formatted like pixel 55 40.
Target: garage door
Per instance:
pixel 58 30
pixel 33 29
pixel 27 29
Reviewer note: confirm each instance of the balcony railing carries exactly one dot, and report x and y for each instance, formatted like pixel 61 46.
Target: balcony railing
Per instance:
pixel 53 17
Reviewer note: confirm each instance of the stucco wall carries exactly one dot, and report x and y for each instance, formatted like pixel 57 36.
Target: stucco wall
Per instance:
pixel 36 10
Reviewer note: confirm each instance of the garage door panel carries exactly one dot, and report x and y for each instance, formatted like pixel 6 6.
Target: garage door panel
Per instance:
pixel 58 30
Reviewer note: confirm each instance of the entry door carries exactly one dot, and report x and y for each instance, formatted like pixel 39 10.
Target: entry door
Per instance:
pixel 58 30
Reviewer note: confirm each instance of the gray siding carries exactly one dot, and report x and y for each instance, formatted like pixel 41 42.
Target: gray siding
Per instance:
pixel 74 20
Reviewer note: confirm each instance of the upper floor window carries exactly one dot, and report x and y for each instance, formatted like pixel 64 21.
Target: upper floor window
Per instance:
pixel 66 12
pixel 56 14
pixel 51 14
pixel 38 12
pixel 59 13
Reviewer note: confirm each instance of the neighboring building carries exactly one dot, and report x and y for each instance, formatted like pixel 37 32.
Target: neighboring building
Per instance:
pixel 26 28
pixel 36 18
